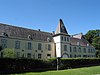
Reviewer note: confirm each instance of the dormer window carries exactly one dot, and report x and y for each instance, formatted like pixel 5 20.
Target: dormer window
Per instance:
pixel 87 44
pixel 29 37
pixel 48 39
pixel 78 43
pixel 5 34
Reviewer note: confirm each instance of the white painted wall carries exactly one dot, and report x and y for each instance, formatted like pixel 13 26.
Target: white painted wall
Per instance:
pixel 57 40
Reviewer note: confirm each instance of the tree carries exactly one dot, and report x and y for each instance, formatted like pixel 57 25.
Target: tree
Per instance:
pixel 93 37
pixel 9 53
pixel 91 34
pixel 96 42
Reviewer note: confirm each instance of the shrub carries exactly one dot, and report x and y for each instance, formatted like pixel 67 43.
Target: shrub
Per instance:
pixel 11 65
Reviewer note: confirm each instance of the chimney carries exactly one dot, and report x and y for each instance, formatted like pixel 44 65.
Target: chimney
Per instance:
pixel 39 30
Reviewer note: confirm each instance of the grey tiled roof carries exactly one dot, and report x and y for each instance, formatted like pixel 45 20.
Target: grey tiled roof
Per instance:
pixel 19 32
pixel 74 41
pixel 61 28
pixel 79 38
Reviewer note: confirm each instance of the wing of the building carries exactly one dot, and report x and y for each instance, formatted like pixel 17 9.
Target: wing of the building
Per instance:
pixel 27 43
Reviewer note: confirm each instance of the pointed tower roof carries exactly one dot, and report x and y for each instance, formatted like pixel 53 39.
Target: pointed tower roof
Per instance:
pixel 61 28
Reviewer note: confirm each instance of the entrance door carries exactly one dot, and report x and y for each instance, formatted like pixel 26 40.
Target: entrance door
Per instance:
pixel 65 56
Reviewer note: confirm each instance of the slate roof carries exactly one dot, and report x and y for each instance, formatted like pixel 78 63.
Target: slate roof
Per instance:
pixel 61 28
pixel 24 33
pixel 74 41
pixel 79 38
pixel 19 32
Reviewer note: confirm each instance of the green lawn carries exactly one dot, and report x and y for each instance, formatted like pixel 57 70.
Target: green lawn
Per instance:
pixel 79 71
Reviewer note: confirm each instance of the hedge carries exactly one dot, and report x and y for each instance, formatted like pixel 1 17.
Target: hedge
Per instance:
pixel 75 63
pixel 8 65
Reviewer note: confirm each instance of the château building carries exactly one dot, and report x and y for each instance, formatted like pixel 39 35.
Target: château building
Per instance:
pixel 38 44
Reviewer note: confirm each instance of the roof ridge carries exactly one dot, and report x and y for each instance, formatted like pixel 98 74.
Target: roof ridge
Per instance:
pixel 25 28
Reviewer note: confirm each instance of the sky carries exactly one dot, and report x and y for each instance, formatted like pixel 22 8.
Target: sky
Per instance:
pixel 79 16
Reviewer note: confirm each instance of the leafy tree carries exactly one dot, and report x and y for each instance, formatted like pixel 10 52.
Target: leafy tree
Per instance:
pixel 93 37
pixel 91 34
pixel 9 53
pixel 98 53
pixel 96 42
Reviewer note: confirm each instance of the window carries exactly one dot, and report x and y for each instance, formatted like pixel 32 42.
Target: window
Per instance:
pixel 78 43
pixel 18 54
pixel 29 37
pixel 61 38
pixel 17 44
pixel 68 39
pixel 79 55
pixel 48 39
pixel 48 56
pixel 49 47
pixel 70 56
pixel 75 56
pixel 84 50
pixel 39 46
pixel 64 38
pixel 39 56
pixel 84 55
pixel 79 50
pixel 29 46
pixel 74 49
pixel 87 44
pixel 5 34
pixel 91 50
pixel 88 50
pixel 22 55
pixel 46 46
pixel 70 49
pixel 4 43
pixel 28 55
pixel 65 47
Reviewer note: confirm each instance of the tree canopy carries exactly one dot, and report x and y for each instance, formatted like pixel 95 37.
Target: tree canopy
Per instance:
pixel 93 37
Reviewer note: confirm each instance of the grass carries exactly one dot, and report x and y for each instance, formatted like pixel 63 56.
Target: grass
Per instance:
pixel 95 70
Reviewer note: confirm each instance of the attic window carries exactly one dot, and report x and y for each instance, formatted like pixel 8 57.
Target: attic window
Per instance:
pixel 5 34
pixel 29 36
pixel 87 44
pixel 78 43
pixel 48 39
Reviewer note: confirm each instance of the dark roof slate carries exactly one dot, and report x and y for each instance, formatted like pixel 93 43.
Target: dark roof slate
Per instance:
pixel 61 28
pixel 19 32
pixel 79 38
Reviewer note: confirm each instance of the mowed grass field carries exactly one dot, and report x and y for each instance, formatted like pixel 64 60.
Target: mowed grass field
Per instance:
pixel 95 70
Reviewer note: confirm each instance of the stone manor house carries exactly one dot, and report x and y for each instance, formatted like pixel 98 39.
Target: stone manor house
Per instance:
pixel 38 44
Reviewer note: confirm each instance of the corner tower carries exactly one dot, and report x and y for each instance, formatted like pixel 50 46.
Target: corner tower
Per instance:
pixel 62 41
